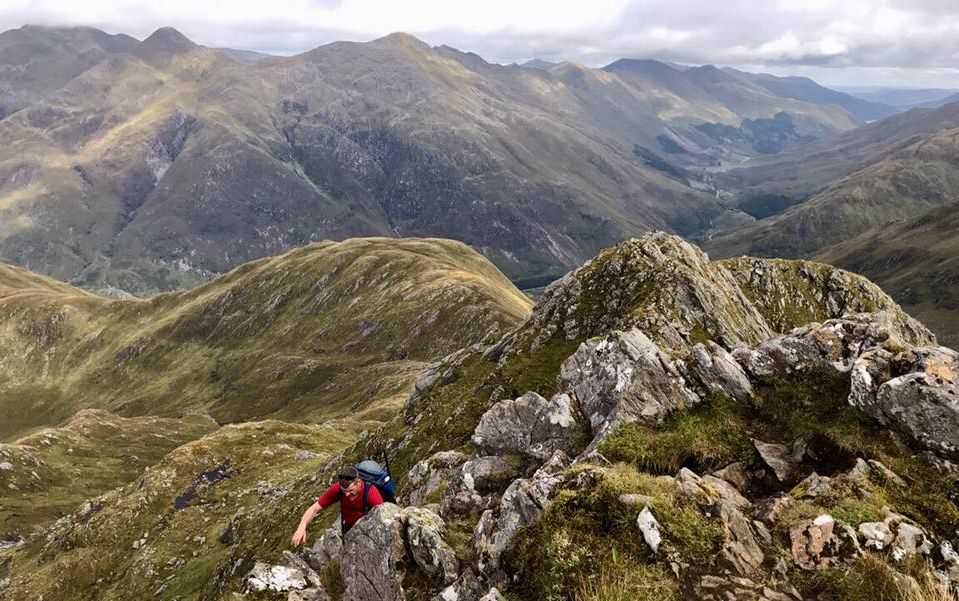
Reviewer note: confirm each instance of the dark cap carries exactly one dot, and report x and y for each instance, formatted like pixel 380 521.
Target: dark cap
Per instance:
pixel 347 474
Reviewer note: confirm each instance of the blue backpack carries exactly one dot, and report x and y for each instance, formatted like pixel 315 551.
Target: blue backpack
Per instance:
pixel 373 473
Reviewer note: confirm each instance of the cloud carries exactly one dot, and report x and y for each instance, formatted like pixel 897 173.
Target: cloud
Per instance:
pixel 912 37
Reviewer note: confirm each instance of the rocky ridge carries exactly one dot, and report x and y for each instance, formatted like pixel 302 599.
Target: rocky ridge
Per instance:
pixel 779 466
pixel 637 440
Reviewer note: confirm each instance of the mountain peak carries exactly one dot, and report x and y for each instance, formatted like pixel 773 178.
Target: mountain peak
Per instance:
pixel 400 39
pixel 166 40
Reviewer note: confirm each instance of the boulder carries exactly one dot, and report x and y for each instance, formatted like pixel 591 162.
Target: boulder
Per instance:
pixel 266 577
pixel 530 425
pixel 374 557
pixel 876 535
pixel 737 475
pixel 813 486
pixel 624 377
pixel 782 460
pixel 648 525
pixel 910 540
pixel 718 371
pixel 924 403
pixel 814 543
pixel 488 471
pixel 424 535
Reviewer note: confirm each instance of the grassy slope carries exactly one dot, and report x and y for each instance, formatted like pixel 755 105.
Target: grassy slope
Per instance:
pixel 916 261
pixel 56 469
pixel 306 336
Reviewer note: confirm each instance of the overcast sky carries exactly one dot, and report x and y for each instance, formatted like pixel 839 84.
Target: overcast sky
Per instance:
pixel 855 42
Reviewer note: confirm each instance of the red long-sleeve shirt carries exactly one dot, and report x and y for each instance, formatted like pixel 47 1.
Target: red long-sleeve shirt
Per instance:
pixel 351 510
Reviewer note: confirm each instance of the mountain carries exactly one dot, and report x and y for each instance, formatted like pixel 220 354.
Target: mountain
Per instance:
pixel 915 260
pixel 609 437
pixel 35 61
pixel 320 332
pixel 538 63
pixel 803 88
pixel 165 164
pixel 901 98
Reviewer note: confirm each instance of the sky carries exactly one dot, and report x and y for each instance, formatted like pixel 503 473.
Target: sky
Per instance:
pixel 901 43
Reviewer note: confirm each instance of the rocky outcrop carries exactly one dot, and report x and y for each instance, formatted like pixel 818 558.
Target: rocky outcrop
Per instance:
pixel 716 370
pixel 528 425
pixel 424 535
pixel 523 502
pixel 624 377
pixel 374 557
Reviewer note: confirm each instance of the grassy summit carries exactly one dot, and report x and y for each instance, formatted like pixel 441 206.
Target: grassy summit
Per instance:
pixel 322 331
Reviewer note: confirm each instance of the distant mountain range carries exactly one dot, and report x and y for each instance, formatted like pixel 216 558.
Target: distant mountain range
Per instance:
pixel 136 167
pixel 844 201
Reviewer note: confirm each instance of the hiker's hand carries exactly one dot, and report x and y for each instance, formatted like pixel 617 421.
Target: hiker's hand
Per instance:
pixel 298 537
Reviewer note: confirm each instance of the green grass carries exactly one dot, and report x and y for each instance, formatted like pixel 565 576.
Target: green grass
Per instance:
pixel 584 531
pixel 706 437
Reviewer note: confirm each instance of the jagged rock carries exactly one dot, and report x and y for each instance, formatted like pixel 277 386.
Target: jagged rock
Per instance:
pixel 887 474
pixel 266 577
pixel 297 563
pixel 624 377
pixel 737 588
pixel 488 471
pixel 466 588
pixel 740 547
pixel 424 535
pixel 814 486
pixel 718 371
pixel 814 543
pixel 524 501
pixel 431 476
pixel 727 491
pixel 682 291
pixel 648 525
pixel 924 403
pixel 493 595
pixel 374 557
pixel 461 496
pixel 781 459
pixel 876 535
pixel 737 475
pixel 530 425
pixel 326 549
pixel 835 344
pixel 910 540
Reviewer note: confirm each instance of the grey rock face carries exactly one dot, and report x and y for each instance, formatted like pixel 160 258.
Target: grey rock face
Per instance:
pixel 326 549
pixel 430 476
pixel 717 370
pixel 523 502
pixel 424 534
pixel 374 557
pixel 488 470
pixel 530 425
pixel 876 535
pixel 624 377
pixel 740 547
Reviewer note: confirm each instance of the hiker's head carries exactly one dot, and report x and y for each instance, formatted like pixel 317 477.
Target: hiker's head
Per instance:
pixel 349 479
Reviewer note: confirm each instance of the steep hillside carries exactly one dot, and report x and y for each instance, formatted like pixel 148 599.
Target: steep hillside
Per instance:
pixel 496 490
pixel 317 333
pixel 908 180
pixel 53 471
pixel 803 88
pixel 916 261
pixel 166 164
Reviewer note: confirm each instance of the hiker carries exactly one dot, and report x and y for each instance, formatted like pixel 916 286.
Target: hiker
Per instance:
pixel 355 497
